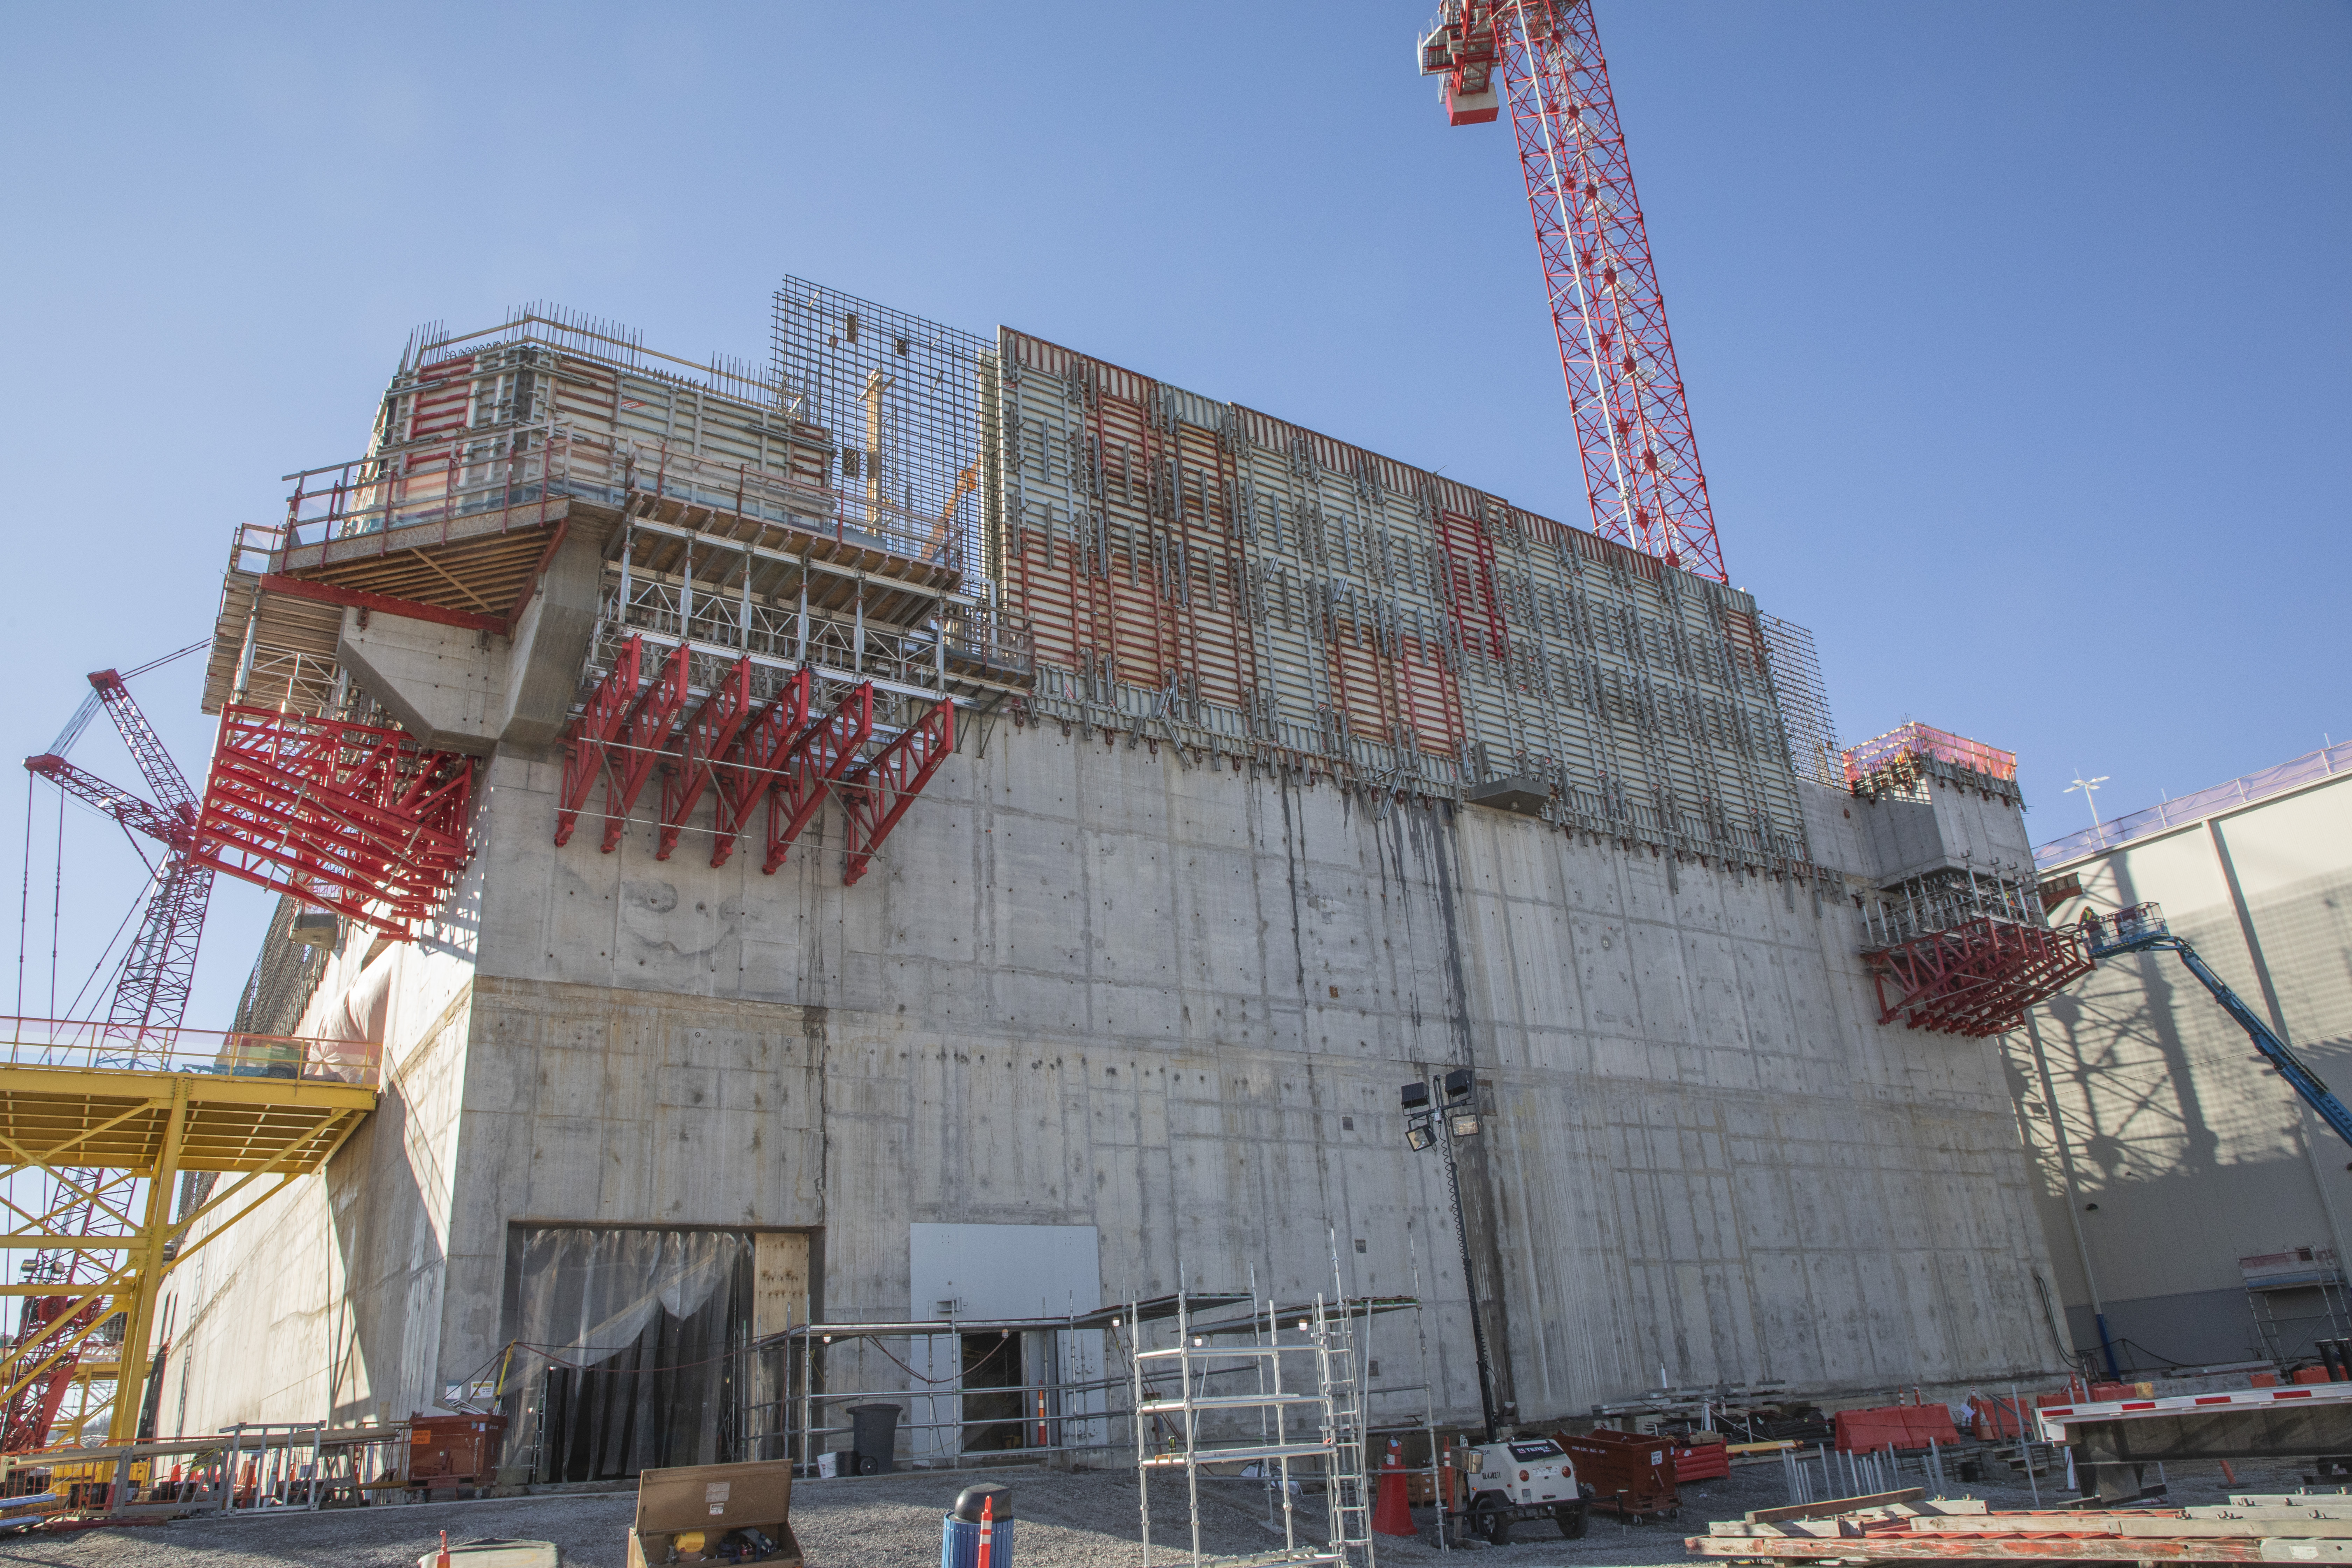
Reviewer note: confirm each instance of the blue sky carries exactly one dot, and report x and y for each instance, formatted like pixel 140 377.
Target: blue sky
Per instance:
pixel 2016 335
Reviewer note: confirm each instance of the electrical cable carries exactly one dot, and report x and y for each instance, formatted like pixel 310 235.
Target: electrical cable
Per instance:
pixel 167 658
pixel 24 899
pixel 137 904
pixel 56 903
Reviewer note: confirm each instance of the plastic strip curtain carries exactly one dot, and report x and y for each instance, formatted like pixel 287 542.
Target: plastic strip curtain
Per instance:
pixel 627 1344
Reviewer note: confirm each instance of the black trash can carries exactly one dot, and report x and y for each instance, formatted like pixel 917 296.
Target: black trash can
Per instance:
pixel 874 1437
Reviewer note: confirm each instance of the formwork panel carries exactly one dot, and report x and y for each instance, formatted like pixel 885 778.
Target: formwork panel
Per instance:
pixel 1214 576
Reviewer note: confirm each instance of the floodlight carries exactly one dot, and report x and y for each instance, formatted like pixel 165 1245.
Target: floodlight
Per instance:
pixel 1416 1095
pixel 1463 1123
pixel 1418 1136
pixel 1458 1083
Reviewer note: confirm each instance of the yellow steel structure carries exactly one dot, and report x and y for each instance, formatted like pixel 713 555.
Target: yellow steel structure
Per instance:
pixel 103 1146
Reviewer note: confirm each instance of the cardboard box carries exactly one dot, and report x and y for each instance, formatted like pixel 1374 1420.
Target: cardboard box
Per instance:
pixel 713 1500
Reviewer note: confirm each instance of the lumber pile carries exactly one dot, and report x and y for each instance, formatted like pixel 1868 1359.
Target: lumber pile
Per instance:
pixel 2290 1527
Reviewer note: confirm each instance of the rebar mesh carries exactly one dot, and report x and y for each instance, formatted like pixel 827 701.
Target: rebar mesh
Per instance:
pixel 1805 701
pixel 898 399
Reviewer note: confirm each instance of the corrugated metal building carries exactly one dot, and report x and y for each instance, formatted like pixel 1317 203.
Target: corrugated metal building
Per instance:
pixel 2192 1199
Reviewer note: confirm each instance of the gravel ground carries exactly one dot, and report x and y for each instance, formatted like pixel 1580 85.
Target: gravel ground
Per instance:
pixel 1083 1520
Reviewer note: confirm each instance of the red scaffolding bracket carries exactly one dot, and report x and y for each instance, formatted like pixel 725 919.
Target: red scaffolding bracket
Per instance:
pixel 351 817
pixel 643 737
pixel 1975 979
pixel 877 794
pixel 592 733
pixel 703 739
pixel 821 754
pixel 747 769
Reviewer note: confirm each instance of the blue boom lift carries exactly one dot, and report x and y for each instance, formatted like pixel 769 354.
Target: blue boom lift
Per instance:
pixel 2141 929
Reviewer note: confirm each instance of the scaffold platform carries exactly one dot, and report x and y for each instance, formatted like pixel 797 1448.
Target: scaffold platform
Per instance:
pixel 96 1125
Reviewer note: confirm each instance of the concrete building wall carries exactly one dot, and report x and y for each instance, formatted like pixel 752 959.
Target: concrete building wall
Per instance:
pixel 2193 1152
pixel 1091 984
pixel 326 1301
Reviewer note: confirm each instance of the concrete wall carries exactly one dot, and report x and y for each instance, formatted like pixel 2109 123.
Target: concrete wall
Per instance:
pixel 2193 1151
pixel 1091 985
pixel 326 1301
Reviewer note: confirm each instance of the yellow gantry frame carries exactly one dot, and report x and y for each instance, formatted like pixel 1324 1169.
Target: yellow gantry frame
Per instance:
pixel 135 1125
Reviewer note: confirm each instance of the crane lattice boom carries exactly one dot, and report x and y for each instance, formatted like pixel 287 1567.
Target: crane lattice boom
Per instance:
pixel 1641 473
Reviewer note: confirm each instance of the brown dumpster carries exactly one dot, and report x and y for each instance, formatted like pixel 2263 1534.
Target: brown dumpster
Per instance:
pixel 452 1451
pixel 1623 1473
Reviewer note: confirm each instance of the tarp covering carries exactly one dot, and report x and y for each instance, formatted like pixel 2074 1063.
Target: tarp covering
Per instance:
pixel 627 1349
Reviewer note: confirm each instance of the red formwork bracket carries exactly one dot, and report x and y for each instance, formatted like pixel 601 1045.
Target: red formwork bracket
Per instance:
pixel 643 736
pixel 351 817
pixel 701 740
pixel 1974 979
pixel 824 753
pixel 750 767
pixel 875 796
pixel 592 733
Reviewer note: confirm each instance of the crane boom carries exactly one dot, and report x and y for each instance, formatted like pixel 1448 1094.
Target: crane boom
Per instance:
pixel 2142 929
pixel 174 830
pixel 1641 473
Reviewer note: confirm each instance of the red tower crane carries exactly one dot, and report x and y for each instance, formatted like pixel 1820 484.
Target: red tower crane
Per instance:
pixel 150 1000
pixel 1543 59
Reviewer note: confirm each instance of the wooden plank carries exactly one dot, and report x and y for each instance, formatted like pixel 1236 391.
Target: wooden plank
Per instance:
pixel 2045 1548
pixel 2257 1529
pixel 1831 1507
pixel 779 1281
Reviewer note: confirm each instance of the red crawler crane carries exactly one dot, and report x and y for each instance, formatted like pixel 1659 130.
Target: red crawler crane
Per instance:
pixel 1642 472
pixel 149 1001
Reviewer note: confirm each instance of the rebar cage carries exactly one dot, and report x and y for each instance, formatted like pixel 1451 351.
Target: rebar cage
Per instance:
pixel 900 399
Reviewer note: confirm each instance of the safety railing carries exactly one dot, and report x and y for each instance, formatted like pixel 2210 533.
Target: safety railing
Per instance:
pixel 2107 934
pixel 494 472
pixel 1914 739
pixel 2311 768
pixel 85 1044
pixel 474 473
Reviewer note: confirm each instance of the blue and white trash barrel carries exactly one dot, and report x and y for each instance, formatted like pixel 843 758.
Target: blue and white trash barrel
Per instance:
pixel 959 1530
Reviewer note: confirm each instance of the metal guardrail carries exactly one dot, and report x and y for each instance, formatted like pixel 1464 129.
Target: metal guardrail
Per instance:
pixel 90 1044
pixel 2310 768
pixel 1922 741
pixel 497 470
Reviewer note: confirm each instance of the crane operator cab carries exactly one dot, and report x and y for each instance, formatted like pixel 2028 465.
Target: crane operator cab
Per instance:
pixel 1522 1479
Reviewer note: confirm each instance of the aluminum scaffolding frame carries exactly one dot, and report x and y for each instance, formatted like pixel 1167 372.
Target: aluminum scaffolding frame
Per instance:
pixel 1328 1398
pixel 245 1469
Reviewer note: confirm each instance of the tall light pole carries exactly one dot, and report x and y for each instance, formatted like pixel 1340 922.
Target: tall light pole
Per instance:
pixel 2089 788
pixel 1442 1120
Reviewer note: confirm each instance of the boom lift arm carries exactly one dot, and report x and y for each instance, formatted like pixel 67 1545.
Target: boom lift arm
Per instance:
pixel 2141 929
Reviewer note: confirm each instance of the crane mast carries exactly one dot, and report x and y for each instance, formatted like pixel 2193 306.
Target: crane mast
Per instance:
pixel 1542 59
pixel 151 999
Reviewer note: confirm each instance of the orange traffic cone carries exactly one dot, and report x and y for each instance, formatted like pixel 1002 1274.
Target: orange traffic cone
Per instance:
pixel 1392 1514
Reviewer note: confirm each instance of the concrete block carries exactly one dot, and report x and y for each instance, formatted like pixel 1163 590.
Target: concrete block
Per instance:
pixel 447 685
